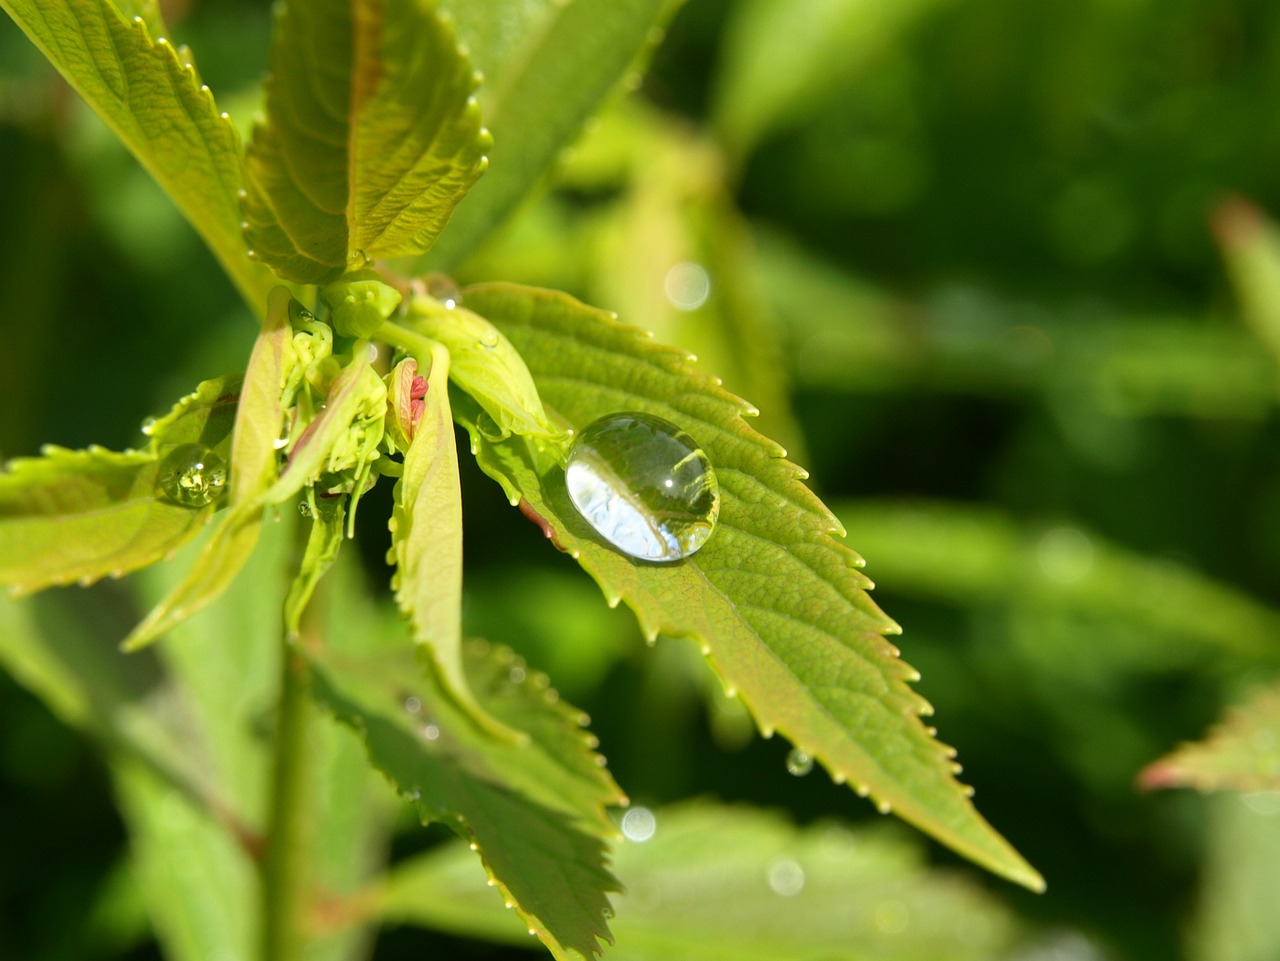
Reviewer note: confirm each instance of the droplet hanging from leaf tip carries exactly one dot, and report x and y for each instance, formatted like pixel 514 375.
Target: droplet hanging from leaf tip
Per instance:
pixel 799 763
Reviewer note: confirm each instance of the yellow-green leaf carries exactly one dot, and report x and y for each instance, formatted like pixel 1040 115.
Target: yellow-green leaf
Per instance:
pixel 774 599
pixel 148 92
pixel 372 136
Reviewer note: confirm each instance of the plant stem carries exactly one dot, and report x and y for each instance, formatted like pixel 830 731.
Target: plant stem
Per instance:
pixel 283 873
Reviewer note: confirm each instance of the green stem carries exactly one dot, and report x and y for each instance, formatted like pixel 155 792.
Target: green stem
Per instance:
pixel 283 865
pixel 410 341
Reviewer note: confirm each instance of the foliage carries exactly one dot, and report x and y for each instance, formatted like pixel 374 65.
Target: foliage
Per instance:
pixel 1001 340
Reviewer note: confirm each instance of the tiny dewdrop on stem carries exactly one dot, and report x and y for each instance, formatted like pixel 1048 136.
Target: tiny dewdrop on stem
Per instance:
pixel 644 485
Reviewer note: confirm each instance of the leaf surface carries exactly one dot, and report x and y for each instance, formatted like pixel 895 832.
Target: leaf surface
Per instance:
pixel 535 811
pixel 775 601
pixel 736 884
pixel 79 515
pixel 371 139
pixel 548 64
pixel 259 416
pixel 1241 753
pixel 147 91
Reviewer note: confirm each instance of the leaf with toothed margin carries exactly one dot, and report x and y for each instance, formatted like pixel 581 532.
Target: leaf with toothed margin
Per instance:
pixel 79 515
pixel 258 421
pixel 535 811
pixel 148 93
pixel 372 136
pixel 774 599
pixel 730 882
pixel 426 540
pixel 1241 753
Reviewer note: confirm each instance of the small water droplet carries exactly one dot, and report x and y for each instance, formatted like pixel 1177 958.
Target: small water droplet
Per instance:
pixel 412 704
pixel 644 485
pixel 443 289
pixel 516 675
pixel 639 825
pixel 192 475
pixel 786 878
pixel 687 286
pixel 149 426
pixel 358 259
pixel 304 509
pixel 430 732
pixel 799 763
pixel 488 342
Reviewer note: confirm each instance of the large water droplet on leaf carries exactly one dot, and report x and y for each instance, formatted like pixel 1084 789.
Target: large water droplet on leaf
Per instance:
pixel 192 475
pixel 644 485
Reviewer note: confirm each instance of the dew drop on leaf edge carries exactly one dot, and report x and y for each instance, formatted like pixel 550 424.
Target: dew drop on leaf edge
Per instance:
pixel 644 485
pixel 799 763
pixel 192 475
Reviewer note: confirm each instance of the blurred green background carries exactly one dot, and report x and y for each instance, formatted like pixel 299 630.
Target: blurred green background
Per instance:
pixel 961 254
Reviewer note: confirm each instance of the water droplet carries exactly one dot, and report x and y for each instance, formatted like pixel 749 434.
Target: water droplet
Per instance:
pixel 412 705
pixel 358 259
pixel 430 732
pixel 516 675
pixel 639 825
pixel 443 289
pixel 148 426
pixel 488 342
pixel 192 475
pixel 799 763
pixel 687 286
pixel 644 485
pixel 786 878
pixel 304 509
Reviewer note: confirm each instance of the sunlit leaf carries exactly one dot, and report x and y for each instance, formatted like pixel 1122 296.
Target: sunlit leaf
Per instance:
pixel 371 139
pixel 327 515
pixel 81 515
pixel 1242 753
pixel 535 810
pixel 735 884
pixel 483 363
pixel 426 540
pixel 259 417
pixel 147 91
pixel 547 67
pixel 775 601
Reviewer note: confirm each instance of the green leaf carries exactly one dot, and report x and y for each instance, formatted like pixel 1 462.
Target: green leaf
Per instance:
pixel 328 515
pixel 259 417
pixel 426 540
pixel 774 600
pixel 147 91
pixel 485 365
pixel 782 58
pixel 1241 753
pixel 1250 245
pixel 1236 917
pixel 535 811
pixel 372 136
pixel 547 68
pixel 1061 567
pixel 735 884
pixel 81 515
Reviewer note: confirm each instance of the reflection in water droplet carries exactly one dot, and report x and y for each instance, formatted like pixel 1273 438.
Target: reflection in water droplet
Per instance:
pixel 786 878
pixel 639 825
pixel 304 509
pixel 799 763
pixel 358 259
pixel 192 475
pixel 644 485
pixel 148 426
pixel 687 286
